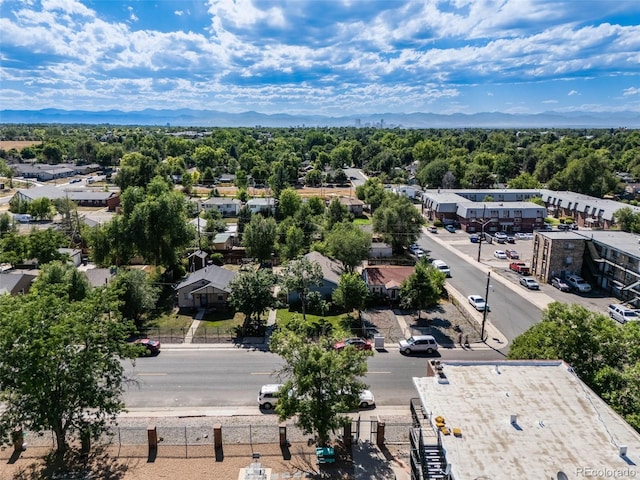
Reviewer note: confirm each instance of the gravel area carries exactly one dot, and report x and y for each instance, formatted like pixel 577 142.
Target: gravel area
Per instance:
pixel 186 451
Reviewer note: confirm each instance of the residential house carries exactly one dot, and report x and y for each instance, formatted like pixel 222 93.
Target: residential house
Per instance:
pixel 228 207
pixel 14 282
pixel 264 205
pixel 331 271
pixel 354 205
pixel 205 288
pixel 224 241
pixel 385 280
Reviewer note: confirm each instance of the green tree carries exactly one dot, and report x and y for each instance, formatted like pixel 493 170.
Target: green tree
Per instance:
pixel 525 181
pixel 44 245
pixel 423 288
pixel 41 209
pixel 289 202
pixel 371 192
pixel 627 220
pixel 335 213
pixel 252 295
pixel 351 293
pixel 321 384
pixel 398 222
pixel 65 278
pixel 137 293
pixel 259 237
pixel 300 276
pixel 6 225
pixel 61 360
pixel 348 244
pixel 294 243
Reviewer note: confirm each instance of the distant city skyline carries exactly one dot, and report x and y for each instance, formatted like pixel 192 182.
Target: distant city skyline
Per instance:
pixel 321 57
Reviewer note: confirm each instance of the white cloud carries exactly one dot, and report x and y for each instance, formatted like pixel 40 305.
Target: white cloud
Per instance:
pixel 631 91
pixel 573 92
pixel 178 13
pixel 550 101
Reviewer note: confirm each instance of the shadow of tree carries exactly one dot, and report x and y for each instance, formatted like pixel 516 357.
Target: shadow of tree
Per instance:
pixel 74 466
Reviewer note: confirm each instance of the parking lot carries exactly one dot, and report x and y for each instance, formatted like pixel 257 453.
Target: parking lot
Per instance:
pixel 596 300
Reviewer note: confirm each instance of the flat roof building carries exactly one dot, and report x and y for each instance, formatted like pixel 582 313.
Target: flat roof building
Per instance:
pixel 524 420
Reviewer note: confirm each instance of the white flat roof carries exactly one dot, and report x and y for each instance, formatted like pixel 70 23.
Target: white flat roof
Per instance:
pixel 562 426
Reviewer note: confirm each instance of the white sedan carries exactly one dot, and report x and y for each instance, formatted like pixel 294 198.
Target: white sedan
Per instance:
pixel 500 254
pixel 478 303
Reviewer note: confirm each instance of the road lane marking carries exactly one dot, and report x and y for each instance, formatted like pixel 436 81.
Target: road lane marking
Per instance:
pixel 151 374
pixel 261 373
pixel 382 373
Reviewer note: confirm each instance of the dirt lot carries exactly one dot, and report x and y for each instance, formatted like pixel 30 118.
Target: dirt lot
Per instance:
pixel 17 144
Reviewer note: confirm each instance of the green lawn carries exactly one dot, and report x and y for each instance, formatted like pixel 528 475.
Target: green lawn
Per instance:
pixel 362 221
pixel 174 320
pixel 218 324
pixel 340 322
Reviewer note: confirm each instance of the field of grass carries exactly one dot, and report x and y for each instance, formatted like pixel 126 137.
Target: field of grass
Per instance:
pixel 362 221
pixel 219 324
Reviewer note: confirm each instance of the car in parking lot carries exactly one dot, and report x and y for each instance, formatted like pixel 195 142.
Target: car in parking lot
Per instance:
pixel 623 314
pixel 356 342
pixel 478 302
pixel 560 284
pixel 500 254
pixel 513 254
pixel 475 238
pixel 530 283
pixel 523 236
pixel 432 229
pixel 577 283
pixel 418 343
pixel 450 228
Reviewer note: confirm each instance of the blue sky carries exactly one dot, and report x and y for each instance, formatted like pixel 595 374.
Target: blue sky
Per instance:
pixel 328 57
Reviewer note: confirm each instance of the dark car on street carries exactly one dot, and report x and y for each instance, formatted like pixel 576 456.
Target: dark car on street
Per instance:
pixel 152 347
pixel 357 343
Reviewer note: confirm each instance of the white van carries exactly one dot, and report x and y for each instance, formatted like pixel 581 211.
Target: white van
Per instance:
pixel 623 314
pixel 443 267
pixel 22 217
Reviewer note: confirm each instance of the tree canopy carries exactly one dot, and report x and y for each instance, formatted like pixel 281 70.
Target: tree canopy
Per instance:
pixel 321 384
pixel 398 221
pixel 60 360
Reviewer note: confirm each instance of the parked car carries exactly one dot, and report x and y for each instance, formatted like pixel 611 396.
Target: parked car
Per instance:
pixel 513 254
pixel 269 394
pixel 560 284
pixel 478 302
pixel 418 343
pixel 511 239
pixel 432 229
pixel 356 342
pixel 475 238
pixel 500 254
pixel 450 228
pixel 530 283
pixel 578 283
pixel 623 314
pixel 442 266
pixel 152 347
pixel 523 236
pixel 519 267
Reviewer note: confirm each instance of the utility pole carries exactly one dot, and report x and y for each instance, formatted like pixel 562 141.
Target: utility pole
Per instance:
pixel 486 307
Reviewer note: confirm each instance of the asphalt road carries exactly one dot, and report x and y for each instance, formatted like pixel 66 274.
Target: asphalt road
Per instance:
pixel 200 377
pixel 511 312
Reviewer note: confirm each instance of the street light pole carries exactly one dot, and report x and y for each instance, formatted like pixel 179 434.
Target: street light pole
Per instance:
pixel 484 224
pixel 486 307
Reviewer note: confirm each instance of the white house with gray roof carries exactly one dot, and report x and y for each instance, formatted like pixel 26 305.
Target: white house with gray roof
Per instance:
pixel 228 207
pixel 205 288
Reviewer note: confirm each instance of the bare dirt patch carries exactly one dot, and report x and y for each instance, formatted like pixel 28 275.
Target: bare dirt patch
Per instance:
pixel 17 144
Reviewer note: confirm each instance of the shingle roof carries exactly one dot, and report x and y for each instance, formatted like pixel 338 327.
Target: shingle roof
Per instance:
pixel 214 275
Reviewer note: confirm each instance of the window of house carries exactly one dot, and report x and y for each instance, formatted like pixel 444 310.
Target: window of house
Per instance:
pixel 517 213
pixel 505 214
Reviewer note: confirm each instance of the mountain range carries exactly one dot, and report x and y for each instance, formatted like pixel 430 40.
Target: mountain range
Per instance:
pixel 213 118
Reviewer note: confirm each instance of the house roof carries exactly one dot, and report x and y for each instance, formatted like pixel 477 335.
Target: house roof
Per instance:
pixel 560 425
pixel 221 201
pixel 384 274
pixel 351 201
pixel 212 275
pixel 331 270
pixel 13 282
